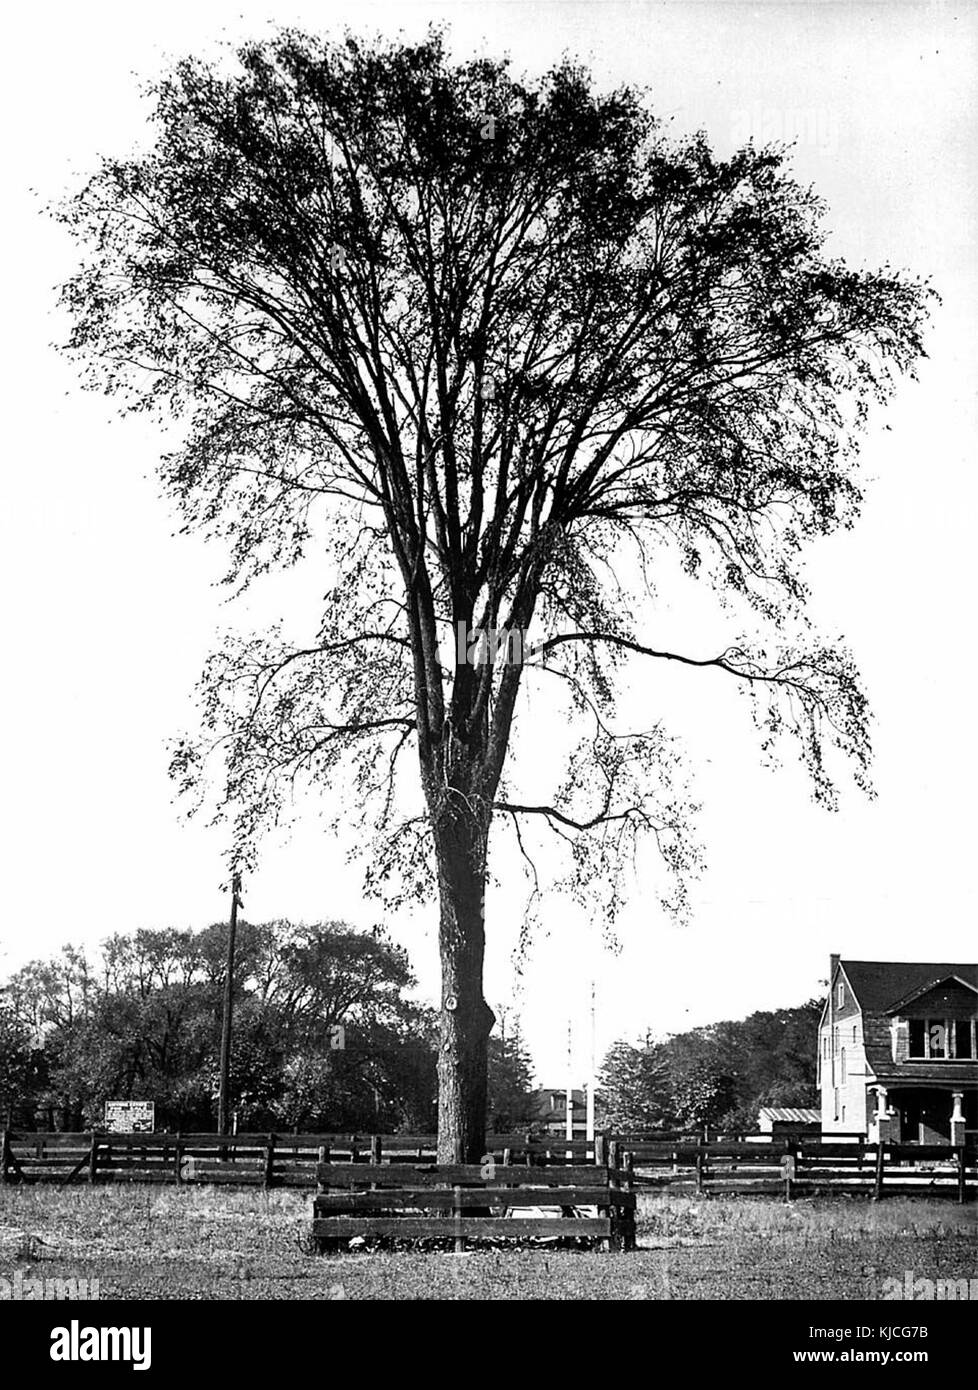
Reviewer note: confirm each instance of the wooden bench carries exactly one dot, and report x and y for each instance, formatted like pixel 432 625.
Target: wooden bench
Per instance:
pixel 471 1202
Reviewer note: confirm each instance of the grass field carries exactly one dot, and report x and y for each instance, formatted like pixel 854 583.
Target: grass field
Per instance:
pixel 153 1243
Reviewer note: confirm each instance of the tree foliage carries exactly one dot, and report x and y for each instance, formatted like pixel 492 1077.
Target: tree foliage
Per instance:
pixel 143 1021
pixel 634 1088
pixel 480 337
pixel 720 1074
pixel 511 1102
pixel 21 1069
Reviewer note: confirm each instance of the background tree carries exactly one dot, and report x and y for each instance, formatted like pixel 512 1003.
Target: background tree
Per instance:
pixel 21 1073
pixel 49 1002
pixel 511 1099
pixel 702 1094
pixel 719 1074
pixel 634 1085
pixel 146 1025
pixel 472 343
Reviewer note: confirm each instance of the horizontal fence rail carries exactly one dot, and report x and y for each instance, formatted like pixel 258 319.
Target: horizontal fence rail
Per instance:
pixel 760 1164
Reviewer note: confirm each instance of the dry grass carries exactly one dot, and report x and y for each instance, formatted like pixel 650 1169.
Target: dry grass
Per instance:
pixel 156 1243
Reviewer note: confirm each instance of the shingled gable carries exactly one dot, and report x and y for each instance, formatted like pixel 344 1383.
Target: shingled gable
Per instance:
pixel 925 990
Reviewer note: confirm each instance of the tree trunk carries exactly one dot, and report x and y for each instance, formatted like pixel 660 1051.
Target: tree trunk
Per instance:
pixel 466 1019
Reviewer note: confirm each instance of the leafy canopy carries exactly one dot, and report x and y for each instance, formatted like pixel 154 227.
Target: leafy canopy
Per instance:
pixel 480 349
pixel 143 1019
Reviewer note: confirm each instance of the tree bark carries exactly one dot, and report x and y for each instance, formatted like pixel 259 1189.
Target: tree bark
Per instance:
pixel 466 1019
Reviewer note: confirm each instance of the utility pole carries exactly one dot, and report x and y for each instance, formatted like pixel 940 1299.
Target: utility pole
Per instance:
pixel 590 1080
pixel 222 1094
pixel 569 1112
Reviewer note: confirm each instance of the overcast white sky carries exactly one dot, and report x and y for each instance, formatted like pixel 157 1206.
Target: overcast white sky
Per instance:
pixel 108 617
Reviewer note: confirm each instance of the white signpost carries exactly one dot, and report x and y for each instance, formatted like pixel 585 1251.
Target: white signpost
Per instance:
pixel 130 1116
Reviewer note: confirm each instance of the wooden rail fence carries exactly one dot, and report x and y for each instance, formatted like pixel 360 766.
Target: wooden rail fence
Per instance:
pixel 795 1167
pixel 269 1160
pixel 807 1167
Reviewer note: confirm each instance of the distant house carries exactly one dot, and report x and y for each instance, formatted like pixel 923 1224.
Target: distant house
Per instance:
pixel 550 1111
pixel 898 1055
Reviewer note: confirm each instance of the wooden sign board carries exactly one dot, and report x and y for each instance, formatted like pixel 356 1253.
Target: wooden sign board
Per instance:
pixel 130 1116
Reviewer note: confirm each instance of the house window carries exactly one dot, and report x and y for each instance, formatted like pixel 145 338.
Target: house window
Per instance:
pixel 854 1032
pixel 836 1093
pixel 840 995
pixel 941 1039
pixel 842 1076
pixel 964 1037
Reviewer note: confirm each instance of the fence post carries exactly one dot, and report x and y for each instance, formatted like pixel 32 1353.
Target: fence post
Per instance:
pixel 788 1166
pixel 4 1156
pixel 92 1157
pixel 629 1221
pixel 269 1160
pixel 178 1160
pixel 354 1149
pixel 878 1180
pixel 600 1151
pixel 376 1148
pixel 699 1164
pixel 962 1193
pixel 457 1214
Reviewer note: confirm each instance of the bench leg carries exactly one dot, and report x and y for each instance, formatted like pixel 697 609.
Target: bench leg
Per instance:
pixel 606 1243
pixel 630 1241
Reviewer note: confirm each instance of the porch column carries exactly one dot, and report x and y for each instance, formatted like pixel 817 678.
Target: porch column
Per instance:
pixel 957 1119
pixel 881 1123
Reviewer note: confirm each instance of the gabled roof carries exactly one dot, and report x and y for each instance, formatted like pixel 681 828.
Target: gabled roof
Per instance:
pixel 791 1114
pixel 924 990
pixel 882 985
pixel 559 1093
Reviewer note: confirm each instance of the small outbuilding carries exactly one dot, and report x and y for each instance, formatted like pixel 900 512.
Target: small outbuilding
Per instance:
pixel 785 1122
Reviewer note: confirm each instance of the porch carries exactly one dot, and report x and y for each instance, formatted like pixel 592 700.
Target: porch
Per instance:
pixel 922 1114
